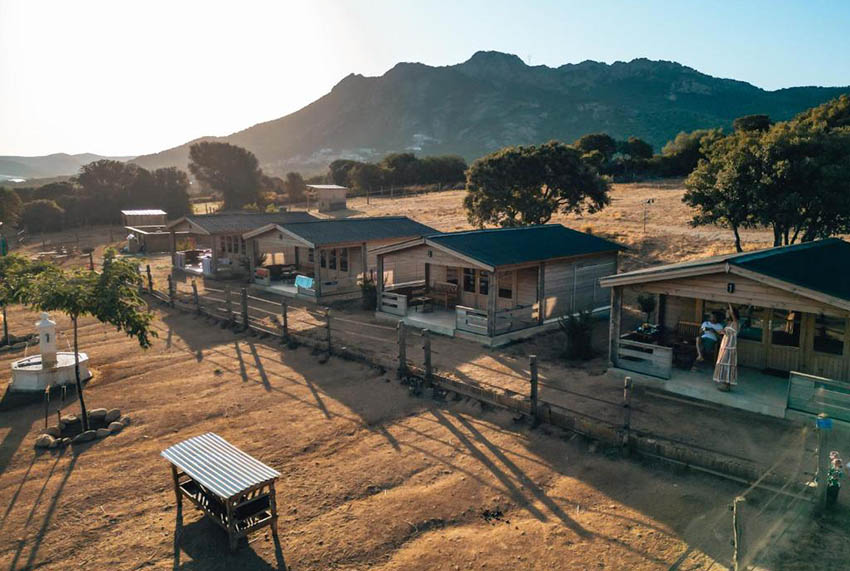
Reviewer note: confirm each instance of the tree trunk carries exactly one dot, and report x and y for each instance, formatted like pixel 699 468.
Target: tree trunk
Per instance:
pixel 777 236
pixel 738 247
pixel 5 327
pixel 85 414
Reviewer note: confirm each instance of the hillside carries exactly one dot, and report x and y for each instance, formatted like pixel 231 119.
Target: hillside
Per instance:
pixel 48 166
pixel 493 100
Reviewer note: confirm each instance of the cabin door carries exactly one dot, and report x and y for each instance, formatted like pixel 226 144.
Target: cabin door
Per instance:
pixel 475 288
pixel 784 340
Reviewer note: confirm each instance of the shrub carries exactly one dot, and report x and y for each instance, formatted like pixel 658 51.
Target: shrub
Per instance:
pixel 42 216
pixel 646 302
pixel 578 329
pixel 370 295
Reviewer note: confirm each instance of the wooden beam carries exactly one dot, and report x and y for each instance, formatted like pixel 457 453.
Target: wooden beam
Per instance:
pixel 541 293
pixel 317 271
pixel 491 304
pixel 614 325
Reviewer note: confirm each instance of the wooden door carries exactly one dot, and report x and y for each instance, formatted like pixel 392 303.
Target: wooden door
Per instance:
pixel 475 287
pixel 784 340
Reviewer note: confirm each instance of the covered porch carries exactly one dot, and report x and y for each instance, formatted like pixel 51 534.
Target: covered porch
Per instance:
pixel 786 331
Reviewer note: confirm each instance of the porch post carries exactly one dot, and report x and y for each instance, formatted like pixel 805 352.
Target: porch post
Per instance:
pixel 427 277
pixel 252 259
pixel 379 281
pixel 364 262
pixel 173 241
pixel 317 272
pixel 214 249
pixel 541 293
pixel 614 329
pixel 297 265
pixel 491 304
pixel 662 309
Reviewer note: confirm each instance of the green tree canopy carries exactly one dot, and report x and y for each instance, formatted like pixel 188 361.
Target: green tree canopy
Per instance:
pixel 170 192
pixel 527 185
pixel 230 170
pixel 681 155
pixel 637 148
pixel 42 216
pixel 10 206
pixel 601 142
pixel 752 123
pixel 295 187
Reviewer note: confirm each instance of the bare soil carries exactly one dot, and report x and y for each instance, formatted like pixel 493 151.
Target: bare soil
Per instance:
pixel 372 478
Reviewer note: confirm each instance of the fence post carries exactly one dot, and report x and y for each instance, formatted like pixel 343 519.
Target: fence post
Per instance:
pixel 196 298
pixel 245 322
pixel 426 347
pixel 170 290
pixel 402 349
pixel 627 410
pixel 228 305
pixel 737 539
pixel 824 425
pixel 91 261
pixel 141 280
pixel 328 327
pixel 150 279
pixel 284 320
pixel 532 366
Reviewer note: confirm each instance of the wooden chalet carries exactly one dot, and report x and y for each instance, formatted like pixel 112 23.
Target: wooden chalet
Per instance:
pixel 212 245
pixel 794 303
pixel 323 260
pixel 146 230
pixel 494 285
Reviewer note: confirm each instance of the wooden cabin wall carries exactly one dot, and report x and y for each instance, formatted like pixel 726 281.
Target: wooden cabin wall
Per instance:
pixel 526 281
pixel 573 285
pixel 372 245
pixel 678 309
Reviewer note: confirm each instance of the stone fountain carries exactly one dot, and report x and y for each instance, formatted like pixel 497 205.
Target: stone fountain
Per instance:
pixel 50 367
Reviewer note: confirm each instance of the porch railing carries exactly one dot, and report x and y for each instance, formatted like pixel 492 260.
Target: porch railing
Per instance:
pixel 814 395
pixel 646 358
pixel 340 285
pixel 471 320
pixel 515 319
pixel 394 303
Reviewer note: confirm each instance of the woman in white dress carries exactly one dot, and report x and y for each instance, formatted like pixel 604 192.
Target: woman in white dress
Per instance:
pixel 726 369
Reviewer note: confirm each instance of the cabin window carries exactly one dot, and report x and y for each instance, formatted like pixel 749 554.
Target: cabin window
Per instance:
pixel 332 259
pixel 311 256
pixel 244 248
pixel 228 244
pixel 343 260
pixel 829 334
pixel 469 280
pixel 506 285
pixel 223 245
pixel 323 258
pixel 451 275
pixel 785 328
pixel 752 323
pixel 483 282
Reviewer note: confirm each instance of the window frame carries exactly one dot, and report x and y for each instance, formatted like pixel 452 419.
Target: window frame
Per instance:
pixel 343 260
pixel 797 320
pixel 816 320
pixel 469 273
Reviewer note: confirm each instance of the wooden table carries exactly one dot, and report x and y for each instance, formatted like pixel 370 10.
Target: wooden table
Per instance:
pixel 233 489
pixel 424 302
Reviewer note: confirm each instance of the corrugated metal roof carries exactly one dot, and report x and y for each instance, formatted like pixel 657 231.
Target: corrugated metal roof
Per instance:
pixel 151 212
pixel 218 465
pixel 241 222
pixel 357 229
pixel 326 187
pixel 506 246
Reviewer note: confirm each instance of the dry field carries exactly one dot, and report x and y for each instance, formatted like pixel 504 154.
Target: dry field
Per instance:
pixel 372 477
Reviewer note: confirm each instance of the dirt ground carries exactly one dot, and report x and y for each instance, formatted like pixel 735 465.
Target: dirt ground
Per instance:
pixel 372 478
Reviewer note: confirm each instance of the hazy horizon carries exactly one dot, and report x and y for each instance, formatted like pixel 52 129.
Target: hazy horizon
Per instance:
pixel 125 79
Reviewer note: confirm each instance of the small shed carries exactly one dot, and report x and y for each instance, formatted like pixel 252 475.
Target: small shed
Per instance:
pixel 235 490
pixel 494 285
pixel 329 197
pixel 144 218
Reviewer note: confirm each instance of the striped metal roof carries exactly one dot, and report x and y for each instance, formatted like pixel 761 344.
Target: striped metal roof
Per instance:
pixel 148 212
pixel 218 465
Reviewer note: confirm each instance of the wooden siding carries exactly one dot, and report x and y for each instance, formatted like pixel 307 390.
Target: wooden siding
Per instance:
pixel 747 292
pixel 677 308
pixel 572 286
pixel 526 286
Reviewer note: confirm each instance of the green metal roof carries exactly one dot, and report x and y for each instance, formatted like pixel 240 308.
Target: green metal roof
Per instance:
pixel 823 265
pixel 241 222
pixel 321 232
pixel 506 246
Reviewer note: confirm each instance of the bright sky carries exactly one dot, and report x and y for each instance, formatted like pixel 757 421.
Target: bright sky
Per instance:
pixel 128 77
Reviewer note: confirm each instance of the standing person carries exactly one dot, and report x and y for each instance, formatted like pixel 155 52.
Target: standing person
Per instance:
pixel 726 369
pixel 707 338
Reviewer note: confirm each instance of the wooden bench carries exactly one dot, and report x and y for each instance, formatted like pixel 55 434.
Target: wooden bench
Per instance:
pixel 684 343
pixel 444 292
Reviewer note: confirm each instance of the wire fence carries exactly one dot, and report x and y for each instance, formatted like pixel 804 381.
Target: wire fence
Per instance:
pixel 777 494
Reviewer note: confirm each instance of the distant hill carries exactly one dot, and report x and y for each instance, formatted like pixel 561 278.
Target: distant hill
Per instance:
pixel 49 166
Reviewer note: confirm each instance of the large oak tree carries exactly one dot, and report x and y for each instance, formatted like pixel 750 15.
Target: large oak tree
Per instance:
pixel 230 170
pixel 526 185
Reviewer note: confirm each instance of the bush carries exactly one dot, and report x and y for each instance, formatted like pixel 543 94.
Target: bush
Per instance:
pixel 579 331
pixel 646 302
pixel 370 295
pixel 42 216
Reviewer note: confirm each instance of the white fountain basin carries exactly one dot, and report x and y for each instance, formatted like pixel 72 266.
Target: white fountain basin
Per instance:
pixel 29 375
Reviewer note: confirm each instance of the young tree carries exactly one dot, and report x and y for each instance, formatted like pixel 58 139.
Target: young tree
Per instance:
pixel 295 187
pixel 15 273
pixel 230 170
pixel 110 296
pixel 526 185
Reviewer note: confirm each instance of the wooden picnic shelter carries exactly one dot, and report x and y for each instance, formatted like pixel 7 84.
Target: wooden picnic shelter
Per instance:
pixel 233 489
